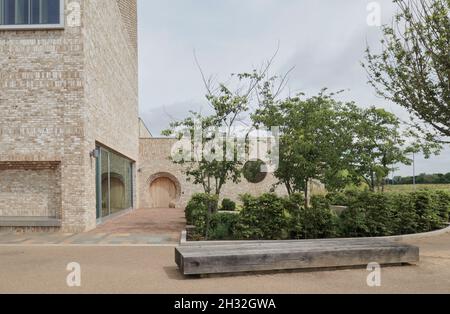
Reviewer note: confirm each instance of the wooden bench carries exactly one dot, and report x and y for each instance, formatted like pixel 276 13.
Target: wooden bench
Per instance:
pixel 236 257
pixel 30 222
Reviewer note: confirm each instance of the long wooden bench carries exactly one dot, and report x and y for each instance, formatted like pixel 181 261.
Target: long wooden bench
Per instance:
pixel 236 257
pixel 30 222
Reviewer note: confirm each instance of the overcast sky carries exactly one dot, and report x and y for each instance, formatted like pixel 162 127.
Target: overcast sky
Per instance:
pixel 324 39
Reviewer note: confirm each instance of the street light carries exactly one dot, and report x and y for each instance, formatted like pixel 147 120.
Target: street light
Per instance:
pixel 414 170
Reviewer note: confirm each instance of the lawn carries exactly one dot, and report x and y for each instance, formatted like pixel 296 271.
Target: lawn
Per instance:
pixel 411 188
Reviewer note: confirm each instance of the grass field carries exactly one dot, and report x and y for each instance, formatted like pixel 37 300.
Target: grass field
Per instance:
pixel 410 187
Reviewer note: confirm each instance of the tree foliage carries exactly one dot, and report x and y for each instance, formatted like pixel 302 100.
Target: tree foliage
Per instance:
pixel 377 147
pixel 332 142
pixel 413 69
pixel 213 163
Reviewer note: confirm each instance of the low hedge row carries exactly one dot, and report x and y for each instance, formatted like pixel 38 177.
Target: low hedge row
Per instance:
pixel 384 214
pixel 368 214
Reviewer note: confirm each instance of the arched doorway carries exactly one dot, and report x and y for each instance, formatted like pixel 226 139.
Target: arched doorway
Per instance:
pixel 163 193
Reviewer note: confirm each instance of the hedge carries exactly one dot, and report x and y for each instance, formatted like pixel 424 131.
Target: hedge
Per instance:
pixel 196 213
pixel 228 205
pixel 368 214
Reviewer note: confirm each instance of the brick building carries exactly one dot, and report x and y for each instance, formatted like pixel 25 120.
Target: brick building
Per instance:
pixel 73 151
pixel 69 112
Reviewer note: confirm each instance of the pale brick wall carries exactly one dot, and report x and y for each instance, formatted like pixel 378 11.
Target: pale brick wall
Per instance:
pixel 128 10
pixel 154 159
pixel 111 87
pixel 42 110
pixel 61 91
pixel 30 192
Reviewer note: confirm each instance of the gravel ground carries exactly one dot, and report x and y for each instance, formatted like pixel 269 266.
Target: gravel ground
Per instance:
pixel 152 270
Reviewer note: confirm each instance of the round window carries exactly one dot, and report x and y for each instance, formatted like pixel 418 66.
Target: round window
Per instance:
pixel 252 171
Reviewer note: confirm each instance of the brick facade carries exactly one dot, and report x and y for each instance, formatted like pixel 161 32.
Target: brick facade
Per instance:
pixel 128 10
pixel 154 163
pixel 65 92
pixel 61 93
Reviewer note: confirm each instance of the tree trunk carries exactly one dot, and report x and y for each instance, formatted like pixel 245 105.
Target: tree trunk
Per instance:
pixel 288 188
pixel 208 219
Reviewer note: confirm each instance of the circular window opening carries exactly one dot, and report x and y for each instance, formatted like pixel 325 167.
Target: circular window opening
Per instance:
pixel 252 171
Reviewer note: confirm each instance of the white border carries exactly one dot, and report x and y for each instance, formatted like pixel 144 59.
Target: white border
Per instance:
pixel 40 26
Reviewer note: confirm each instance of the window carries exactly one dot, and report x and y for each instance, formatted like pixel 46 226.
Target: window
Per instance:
pixel 114 183
pixel 252 171
pixel 23 14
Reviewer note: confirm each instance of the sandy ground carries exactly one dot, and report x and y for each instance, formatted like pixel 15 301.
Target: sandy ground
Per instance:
pixel 167 221
pixel 152 270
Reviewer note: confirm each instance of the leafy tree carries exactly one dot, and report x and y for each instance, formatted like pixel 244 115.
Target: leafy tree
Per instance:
pixel 378 145
pixel 313 141
pixel 413 69
pixel 332 142
pixel 211 156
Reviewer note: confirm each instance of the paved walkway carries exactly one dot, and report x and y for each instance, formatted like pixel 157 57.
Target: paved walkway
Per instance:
pixel 141 227
pixel 153 270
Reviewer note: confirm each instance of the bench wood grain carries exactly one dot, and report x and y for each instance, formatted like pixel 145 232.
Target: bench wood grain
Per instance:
pixel 236 257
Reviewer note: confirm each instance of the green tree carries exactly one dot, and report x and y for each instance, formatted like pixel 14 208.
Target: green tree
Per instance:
pixel 333 142
pixel 413 69
pixel 378 145
pixel 314 143
pixel 211 158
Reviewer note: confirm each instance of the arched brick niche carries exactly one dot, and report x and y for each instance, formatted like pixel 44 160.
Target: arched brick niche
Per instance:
pixel 158 177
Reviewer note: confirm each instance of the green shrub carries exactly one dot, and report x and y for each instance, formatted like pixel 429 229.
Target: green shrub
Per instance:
pixel 337 199
pixel 318 221
pixel 352 223
pixel 368 214
pixel 262 218
pixel 443 205
pixel 293 205
pixel 197 211
pixel 427 210
pixel 228 205
pixel 379 214
pixel 405 218
pixel 355 221
pixel 382 214
pixel 223 226
pixel 294 202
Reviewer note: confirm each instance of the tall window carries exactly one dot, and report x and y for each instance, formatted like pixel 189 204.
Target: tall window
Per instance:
pixel 114 183
pixel 28 13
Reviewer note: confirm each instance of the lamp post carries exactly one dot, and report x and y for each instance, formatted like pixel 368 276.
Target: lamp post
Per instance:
pixel 414 170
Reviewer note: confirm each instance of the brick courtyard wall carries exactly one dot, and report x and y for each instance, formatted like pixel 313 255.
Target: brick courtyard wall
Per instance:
pixel 154 162
pixel 30 191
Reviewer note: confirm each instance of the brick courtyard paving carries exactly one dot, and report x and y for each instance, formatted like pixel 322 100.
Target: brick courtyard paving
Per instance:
pixel 141 227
